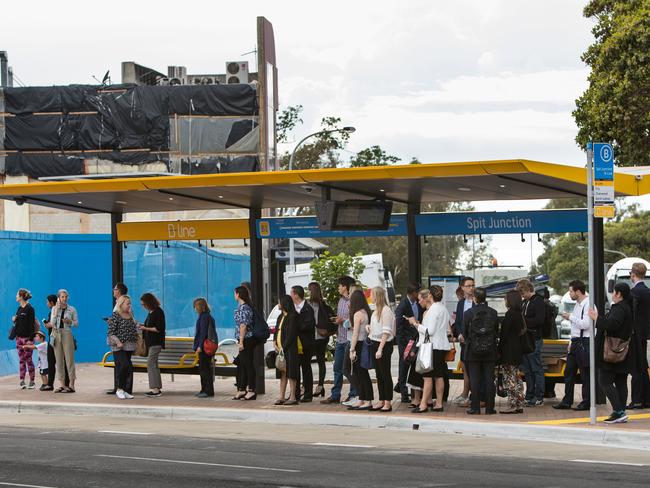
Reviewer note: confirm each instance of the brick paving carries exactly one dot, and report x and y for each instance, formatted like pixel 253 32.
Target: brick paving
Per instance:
pixel 93 380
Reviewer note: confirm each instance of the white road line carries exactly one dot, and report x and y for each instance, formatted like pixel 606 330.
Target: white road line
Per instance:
pixel 123 432
pixel 340 445
pixel 593 461
pixel 259 468
pixel 25 486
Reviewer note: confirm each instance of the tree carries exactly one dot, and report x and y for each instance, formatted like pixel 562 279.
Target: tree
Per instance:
pixel 373 156
pixel 328 268
pixel 287 121
pixel 616 105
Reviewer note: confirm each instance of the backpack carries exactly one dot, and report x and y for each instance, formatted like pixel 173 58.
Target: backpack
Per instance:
pixel 483 330
pixel 261 330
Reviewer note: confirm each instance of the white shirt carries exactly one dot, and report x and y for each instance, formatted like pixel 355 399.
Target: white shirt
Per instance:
pixel 42 355
pixel 299 306
pixel 435 321
pixel 580 320
pixel 382 325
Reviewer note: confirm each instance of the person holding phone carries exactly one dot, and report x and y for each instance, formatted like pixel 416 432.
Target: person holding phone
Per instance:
pixel 51 358
pixel 63 318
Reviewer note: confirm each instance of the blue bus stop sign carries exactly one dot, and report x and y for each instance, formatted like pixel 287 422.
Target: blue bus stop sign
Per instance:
pixel 603 162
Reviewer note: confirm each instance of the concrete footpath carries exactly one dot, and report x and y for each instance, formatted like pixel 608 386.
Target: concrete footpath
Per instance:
pixel 178 403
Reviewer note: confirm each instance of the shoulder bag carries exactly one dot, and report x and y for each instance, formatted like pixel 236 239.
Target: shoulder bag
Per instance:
pixel 366 361
pixel 210 344
pixel 140 347
pixel 410 351
pixel 424 361
pixel 615 349
pixel 12 333
pixel 280 361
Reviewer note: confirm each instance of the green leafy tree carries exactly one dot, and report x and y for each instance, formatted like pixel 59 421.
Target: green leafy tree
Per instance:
pixel 373 156
pixel 287 121
pixel 328 268
pixel 616 105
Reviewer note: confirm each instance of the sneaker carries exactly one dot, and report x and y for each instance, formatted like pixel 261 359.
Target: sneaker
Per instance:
pixel 128 396
pixel 460 399
pixel 530 403
pixel 616 418
pixel 350 401
pixel 562 406
pixel 31 385
pixel 120 394
pixel 152 394
pixel 202 395
pixel 539 403
pixel 22 385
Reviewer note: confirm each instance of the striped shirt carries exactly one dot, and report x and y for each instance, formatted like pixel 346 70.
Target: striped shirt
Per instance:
pixel 343 311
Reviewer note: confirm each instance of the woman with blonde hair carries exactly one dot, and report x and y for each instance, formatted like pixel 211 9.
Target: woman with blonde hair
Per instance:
pixel 381 332
pixel 123 338
pixel 63 318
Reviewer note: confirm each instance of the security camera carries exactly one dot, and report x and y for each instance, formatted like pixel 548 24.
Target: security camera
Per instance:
pixel 19 200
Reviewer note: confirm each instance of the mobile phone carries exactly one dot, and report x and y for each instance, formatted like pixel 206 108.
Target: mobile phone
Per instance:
pixel 45 321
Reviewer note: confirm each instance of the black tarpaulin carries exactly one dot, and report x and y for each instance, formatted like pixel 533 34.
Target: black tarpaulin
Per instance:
pixel 212 165
pixel 32 132
pixel 237 99
pixel 39 165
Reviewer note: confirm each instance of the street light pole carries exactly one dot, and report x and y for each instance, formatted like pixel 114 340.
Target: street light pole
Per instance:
pixel 348 130
pixel 607 250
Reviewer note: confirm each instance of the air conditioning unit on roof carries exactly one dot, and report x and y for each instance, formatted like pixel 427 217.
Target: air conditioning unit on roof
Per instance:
pixel 236 72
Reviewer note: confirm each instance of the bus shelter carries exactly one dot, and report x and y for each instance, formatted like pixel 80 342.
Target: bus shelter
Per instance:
pixel 412 185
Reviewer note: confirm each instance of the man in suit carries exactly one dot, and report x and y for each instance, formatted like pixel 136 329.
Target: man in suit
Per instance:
pixel 641 307
pixel 306 334
pixel 408 307
pixel 458 329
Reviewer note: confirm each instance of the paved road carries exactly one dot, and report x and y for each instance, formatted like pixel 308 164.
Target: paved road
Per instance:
pixel 70 459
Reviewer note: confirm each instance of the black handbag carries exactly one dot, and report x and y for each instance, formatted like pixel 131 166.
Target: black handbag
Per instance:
pixel 527 339
pixel 12 333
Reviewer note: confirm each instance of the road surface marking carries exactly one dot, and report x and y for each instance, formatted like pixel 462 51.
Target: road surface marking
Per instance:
pixel 586 420
pixel 198 463
pixel 340 445
pixel 25 486
pixel 606 462
pixel 123 432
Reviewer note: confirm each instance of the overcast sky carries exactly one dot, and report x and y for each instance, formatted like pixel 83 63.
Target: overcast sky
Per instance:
pixel 438 80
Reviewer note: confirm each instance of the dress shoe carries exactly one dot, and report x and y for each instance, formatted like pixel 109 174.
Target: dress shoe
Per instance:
pixel 389 409
pixel 292 402
pixel 396 388
pixel 330 400
pixel 319 391
pixel 419 410
pixel 375 409
pixel 490 412
pixel 473 412
pixel 580 407
pixel 306 400
pixel 511 411
pixel 437 409
pixel 405 399
pixel 562 406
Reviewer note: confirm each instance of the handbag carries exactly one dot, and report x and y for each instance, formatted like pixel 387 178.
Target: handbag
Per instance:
pixel 451 354
pixel 410 352
pixel 12 333
pixel 140 347
pixel 424 361
pixel 499 386
pixel 366 361
pixel 280 361
pixel 210 344
pixel 615 349
pixel 580 352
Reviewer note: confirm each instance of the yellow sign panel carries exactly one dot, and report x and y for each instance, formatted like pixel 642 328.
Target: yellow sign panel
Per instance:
pixel 604 211
pixel 183 230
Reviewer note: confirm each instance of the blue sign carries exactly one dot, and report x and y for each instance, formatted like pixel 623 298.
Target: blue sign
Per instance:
pixel 526 222
pixel 603 161
pixel 286 227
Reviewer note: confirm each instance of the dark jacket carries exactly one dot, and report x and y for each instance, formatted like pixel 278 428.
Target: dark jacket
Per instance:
pixel 458 327
pixel 406 331
pixel 204 323
pixel 25 318
pixel 322 321
pixel 155 319
pixel 641 309
pixel 306 325
pixel 290 333
pixel 467 333
pixel 535 315
pixel 619 322
pixel 509 348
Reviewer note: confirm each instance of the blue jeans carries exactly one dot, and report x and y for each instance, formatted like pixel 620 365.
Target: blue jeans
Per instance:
pixel 534 370
pixel 339 354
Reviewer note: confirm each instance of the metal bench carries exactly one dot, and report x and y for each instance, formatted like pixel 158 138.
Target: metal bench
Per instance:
pixel 179 357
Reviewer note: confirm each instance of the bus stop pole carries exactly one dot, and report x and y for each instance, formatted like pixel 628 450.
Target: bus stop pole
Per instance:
pixel 413 246
pixel 117 255
pixel 592 284
pixel 257 290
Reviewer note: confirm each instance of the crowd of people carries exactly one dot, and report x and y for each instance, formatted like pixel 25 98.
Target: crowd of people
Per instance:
pixel 493 351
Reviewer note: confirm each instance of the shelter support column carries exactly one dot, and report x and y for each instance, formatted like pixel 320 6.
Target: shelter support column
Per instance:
pixel 257 290
pixel 414 247
pixel 599 283
pixel 117 256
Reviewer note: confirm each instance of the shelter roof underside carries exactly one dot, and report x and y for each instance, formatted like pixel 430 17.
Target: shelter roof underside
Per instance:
pixel 422 183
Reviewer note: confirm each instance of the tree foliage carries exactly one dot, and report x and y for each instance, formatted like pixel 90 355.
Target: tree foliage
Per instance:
pixel 329 267
pixel 616 105
pixel 373 156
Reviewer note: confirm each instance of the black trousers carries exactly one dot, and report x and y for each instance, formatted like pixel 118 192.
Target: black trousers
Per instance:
pixel 51 368
pixel 320 349
pixel 570 373
pixel 640 378
pixel 124 367
pixel 382 370
pixel 245 366
pixel 481 372
pixel 615 387
pixel 306 373
pixel 402 369
pixel 206 371
pixel 361 377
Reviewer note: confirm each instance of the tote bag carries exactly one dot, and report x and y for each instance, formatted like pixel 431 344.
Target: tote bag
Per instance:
pixel 424 361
